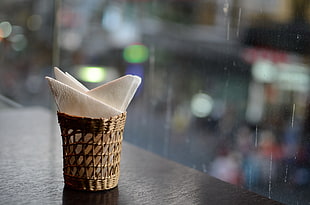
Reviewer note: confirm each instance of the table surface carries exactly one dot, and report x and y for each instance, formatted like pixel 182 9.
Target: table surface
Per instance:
pixel 31 171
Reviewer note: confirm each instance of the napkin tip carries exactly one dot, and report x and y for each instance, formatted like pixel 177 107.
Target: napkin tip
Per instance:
pixel 138 78
pixel 48 78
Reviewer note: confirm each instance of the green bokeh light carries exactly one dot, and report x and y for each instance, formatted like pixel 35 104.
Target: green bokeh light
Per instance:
pixel 92 74
pixel 136 53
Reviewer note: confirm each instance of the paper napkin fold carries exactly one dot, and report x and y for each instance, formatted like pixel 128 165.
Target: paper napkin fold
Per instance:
pixel 69 80
pixel 107 100
pixel 73 102
pixel 117 93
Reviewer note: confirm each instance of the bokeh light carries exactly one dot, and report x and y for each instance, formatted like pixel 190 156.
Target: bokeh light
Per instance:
pixel 136 53
pixel 264 71
pixel 201 105
pixel 70 40
pixel 34 22
pixel 5 29
pixel 19 42
pixel 92 74
pixel 112 19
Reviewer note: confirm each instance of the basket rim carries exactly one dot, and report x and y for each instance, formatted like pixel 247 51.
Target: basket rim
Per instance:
pixel 89 118
pixel 92 125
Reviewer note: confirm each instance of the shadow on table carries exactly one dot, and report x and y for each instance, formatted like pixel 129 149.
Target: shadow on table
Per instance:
pixel 71 196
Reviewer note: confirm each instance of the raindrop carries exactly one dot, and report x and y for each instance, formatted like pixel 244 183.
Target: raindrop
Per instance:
pixel 270 177
pixel 293 115
pixel 256 136
pixel 228 30
pixel 286 171
pixel 238 23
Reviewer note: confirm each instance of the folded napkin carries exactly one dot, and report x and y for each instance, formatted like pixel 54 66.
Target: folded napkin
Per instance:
pixel 107 100
pixel 69 80
pixel 117 93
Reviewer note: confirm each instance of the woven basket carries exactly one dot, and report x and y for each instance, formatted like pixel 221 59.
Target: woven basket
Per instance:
pixel 91 151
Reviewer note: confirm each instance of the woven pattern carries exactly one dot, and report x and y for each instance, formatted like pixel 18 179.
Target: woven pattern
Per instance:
pixel 91 151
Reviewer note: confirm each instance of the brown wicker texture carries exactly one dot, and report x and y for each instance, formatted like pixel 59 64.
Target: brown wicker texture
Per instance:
pixel 91 151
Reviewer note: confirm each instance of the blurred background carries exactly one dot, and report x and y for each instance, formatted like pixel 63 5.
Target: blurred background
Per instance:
pixel 225 82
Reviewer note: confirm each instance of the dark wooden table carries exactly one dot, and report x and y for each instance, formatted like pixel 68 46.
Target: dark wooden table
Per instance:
pixel 31 171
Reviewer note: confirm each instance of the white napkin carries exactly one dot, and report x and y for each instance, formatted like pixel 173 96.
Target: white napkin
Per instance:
pixel 73 102
pixel 117 93
pixel 104 101
pixel 69 80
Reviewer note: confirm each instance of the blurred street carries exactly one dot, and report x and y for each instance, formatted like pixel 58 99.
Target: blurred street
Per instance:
pixel 225 84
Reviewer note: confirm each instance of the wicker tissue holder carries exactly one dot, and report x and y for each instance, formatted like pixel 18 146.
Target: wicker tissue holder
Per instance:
pixel 91 151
